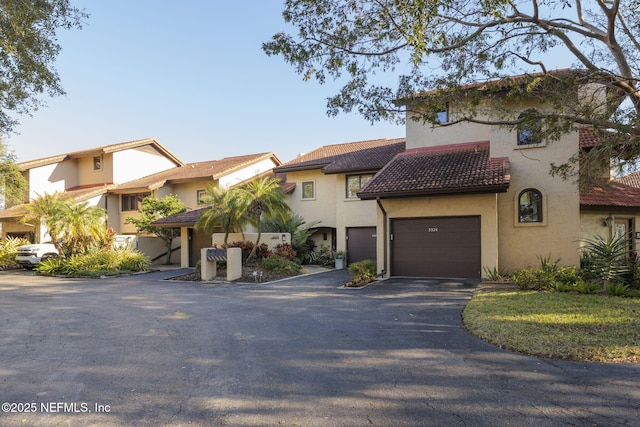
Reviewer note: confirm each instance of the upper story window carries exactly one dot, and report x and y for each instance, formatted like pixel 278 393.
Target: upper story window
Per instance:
pixel 97 163
pixel 131 202
pixel 199 195
pixel 355 184
pixel 442 116
pixel 308 190
pixel 529 131
pixel 530 206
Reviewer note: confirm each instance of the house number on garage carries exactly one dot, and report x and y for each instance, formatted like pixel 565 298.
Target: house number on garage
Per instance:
pixel 432 229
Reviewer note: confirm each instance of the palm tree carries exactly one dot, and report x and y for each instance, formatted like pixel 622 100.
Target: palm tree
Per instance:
pixel 47 210
pixel 83 226
pixel 225 209
pixel 264 197
pixel 73 227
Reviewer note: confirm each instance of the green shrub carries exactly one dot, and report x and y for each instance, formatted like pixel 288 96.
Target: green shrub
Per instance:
pixel 616 289
pixel 98 263
pixel 530 279
pixel 280 265
pixel 362 271
pixel 588 288
pixel 51 266
pixel 8 251
pixel 568 275
pixel 495 274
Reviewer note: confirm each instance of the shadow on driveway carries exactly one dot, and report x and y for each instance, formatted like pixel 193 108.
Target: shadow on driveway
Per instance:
pixel 303 351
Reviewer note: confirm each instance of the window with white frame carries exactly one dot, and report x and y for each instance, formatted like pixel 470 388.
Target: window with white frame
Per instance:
pixel 308 190
pixel 97 163
pixel 355 184
pixel 199 195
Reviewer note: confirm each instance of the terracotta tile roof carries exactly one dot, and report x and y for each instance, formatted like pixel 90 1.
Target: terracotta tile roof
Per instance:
pixel 613 194
pixel 498 84
pixel 152 143
pixel 632 180
pixel 462 168
pixel 184 219
pixel 353 156
pixel 214 169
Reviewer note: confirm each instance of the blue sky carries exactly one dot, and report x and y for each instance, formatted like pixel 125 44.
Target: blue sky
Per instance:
pixel 190 74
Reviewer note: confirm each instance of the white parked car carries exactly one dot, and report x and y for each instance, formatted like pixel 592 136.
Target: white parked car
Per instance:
pixel 31 255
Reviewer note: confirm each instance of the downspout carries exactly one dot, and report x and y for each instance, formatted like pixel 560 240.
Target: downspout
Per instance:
pixel 384 236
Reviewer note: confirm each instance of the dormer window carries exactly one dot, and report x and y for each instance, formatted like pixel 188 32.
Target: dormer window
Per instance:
pixel 529 129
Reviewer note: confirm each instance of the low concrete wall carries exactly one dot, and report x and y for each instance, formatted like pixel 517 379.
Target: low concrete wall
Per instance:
pixel 208 269
pixel 271 239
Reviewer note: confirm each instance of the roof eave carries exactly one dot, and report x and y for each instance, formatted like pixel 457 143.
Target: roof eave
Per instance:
pixel 437 192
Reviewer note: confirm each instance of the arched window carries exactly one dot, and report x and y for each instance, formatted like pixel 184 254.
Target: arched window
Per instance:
pixel 530 206
pixel 529 129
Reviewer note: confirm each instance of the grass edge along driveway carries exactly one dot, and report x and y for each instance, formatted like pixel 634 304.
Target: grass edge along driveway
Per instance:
pixel 590 328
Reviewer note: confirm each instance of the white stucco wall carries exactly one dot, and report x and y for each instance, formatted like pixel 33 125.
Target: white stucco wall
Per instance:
pixel 53 178
pixel 136 163
pixel 247 173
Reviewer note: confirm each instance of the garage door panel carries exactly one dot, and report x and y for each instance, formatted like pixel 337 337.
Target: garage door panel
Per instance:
pixel 436 247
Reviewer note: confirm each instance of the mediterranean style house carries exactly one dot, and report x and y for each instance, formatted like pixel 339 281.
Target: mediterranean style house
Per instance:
pixel 117 177
pixel 458 200
pixel 322 186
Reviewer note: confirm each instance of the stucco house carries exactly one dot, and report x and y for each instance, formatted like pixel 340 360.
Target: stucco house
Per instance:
pixel 467 198
pixel 322 186
pixel 86 175
pixel 188 183
pixel 459 200
pixel 117 177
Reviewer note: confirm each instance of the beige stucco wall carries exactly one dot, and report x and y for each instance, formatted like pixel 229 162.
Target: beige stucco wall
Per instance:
pixel 322 208
pixel 483 205
pixel 247 173
pixel 330 206
pixel 88 176
pixel 592 224
pixel 520 245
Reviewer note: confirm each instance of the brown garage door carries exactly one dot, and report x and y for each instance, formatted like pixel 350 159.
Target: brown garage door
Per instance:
pixel 436 247
pixel 361 244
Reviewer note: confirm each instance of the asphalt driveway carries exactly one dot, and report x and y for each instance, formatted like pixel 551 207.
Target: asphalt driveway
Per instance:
pixel 304 352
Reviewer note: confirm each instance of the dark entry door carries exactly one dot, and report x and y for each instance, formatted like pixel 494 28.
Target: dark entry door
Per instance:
pixel 436 247
pixel 361 244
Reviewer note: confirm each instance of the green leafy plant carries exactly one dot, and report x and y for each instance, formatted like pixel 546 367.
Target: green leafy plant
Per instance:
pixel 616 289
pixel 8 251
pixel 495 275
pixel 605 260
pixel 280 265
pixel 530 279
pixel 362 272
pixel 588 288
pixel 51 266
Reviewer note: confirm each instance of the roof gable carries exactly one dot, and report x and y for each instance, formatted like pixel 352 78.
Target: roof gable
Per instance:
pixel 213 170
pixel 150 142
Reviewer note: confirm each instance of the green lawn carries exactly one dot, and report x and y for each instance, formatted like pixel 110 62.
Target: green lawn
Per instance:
pixel 595 328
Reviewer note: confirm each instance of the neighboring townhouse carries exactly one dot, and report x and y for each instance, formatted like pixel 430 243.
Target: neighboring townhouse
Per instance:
pixel 323 184
pixel 468 198
pixel 85 175
pixel 188 183
pixel 117 177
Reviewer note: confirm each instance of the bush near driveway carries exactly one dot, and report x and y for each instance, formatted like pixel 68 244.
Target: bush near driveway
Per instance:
pixel 596 328
pixel 99 263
